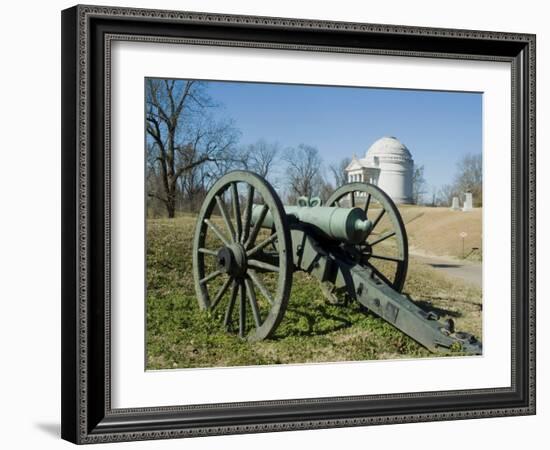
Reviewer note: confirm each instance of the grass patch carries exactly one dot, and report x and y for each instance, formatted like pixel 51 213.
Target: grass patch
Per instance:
pixel 180 335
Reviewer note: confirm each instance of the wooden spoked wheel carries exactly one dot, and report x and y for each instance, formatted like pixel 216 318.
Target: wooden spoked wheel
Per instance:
pixel 243 271
pixel 385 249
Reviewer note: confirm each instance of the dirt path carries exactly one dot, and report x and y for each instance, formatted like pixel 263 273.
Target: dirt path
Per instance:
pixel 470 272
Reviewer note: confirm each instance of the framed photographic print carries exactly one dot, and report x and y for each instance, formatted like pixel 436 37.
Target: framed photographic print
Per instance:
pixel 267 222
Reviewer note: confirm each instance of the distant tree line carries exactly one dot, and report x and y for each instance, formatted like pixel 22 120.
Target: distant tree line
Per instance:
pixel 468 178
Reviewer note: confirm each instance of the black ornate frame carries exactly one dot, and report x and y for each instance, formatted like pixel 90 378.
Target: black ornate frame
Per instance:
pixel 87 32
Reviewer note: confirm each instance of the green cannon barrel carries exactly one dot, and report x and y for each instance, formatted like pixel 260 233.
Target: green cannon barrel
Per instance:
pixel 342 224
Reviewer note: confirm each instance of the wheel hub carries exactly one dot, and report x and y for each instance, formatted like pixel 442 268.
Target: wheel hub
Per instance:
pixel 232 260
pixel 366 250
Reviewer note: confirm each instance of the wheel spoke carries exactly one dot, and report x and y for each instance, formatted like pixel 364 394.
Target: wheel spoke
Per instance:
pixel 378 218
pixel 252 238
pixel 263 244
pixel 253 302
pixel 352 199
pixel 262 265
pixel 221 292
pixel 226 218
pixel 247 212
pixel 210 276
pixel 217 232
pixel 386 258
pixel 208 251
pixel 236 211
pixel 256 280
pixel 385 236
pixel 367 203
pixel 242 310
pixel 380 275
pixel 231 304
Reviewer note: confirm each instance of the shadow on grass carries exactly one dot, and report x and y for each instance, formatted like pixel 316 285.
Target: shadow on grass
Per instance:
pixel 444 266
pixel 429 307
pixel 321 314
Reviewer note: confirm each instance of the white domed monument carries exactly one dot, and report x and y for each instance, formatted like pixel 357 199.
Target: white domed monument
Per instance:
pixel 389 165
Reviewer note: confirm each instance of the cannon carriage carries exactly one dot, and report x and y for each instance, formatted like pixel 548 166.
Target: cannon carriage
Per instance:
pixel 247 246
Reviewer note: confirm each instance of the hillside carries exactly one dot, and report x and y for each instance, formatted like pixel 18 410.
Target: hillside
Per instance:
pixel 436 231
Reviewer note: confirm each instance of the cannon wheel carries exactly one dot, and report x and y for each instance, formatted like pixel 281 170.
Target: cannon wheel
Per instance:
pixel 377 204
pixel 233 272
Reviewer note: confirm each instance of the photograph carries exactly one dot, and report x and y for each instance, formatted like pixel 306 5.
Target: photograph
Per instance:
pixel 299 224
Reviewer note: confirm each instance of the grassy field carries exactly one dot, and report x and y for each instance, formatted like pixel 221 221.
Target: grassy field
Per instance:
pixel 179 335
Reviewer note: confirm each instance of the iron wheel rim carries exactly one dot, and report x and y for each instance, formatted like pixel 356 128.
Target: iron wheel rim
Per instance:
pixel 370 191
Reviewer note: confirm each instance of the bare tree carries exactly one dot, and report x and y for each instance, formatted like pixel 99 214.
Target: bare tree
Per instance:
pixel 326 189
pixel 182 135
pixel 434 196
pixel 469 177
pixel 338 171
pixel 303 172
pixel 418 184
pixel 193 185
pixel 445 194
pixel 155 208
pixel 260 157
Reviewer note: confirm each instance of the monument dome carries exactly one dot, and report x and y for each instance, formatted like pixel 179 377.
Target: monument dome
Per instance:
pixel 388 163
pixel 388 145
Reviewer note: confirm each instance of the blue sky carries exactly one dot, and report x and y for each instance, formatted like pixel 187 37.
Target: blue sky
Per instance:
pixel 437 127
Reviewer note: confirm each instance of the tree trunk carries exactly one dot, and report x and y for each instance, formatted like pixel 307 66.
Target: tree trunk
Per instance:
pixel 171 207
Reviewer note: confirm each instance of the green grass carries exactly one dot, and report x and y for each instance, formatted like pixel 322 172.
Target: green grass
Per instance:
pixel 180 335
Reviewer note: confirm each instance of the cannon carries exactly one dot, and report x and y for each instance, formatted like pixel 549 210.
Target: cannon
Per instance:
pixel 247 246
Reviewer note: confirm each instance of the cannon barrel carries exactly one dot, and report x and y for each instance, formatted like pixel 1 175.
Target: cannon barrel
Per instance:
pixel 342 224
